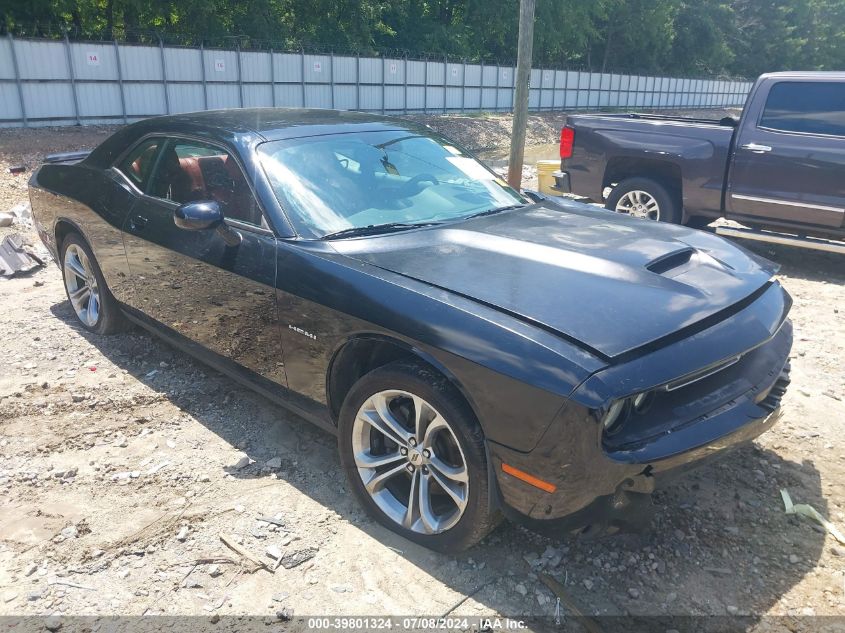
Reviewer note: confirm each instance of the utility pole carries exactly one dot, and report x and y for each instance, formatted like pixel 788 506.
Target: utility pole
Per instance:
pixel 520 96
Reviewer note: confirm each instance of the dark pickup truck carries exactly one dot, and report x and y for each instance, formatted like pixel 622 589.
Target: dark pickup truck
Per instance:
pixel 779 169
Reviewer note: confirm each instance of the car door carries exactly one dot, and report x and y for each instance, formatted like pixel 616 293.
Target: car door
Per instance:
pixel 790 156
pixel 217 295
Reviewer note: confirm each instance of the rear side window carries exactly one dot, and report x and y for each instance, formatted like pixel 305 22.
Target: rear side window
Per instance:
pixel 809 107
pixel 138 165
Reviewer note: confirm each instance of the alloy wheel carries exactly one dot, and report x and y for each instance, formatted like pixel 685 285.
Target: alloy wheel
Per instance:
pixel 81 285
pixel 639 204
pixel 410 462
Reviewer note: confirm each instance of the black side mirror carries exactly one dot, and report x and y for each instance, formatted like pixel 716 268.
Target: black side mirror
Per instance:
pixel 196 216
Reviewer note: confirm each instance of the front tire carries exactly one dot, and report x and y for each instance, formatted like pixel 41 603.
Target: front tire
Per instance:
pixel 644 198
pixel 92 302
pixel 414 457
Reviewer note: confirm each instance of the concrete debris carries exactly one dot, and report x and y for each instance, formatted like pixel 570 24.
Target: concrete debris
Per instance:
pixel 214 570
pixel 183 534
pixel 6 219
pixel 16 257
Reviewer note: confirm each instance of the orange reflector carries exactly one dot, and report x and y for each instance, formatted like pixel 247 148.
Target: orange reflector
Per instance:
pixel 529 479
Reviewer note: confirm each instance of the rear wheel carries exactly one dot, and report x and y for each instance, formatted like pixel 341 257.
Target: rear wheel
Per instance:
pixel 89 296
pixel 414 457
pixel 644 198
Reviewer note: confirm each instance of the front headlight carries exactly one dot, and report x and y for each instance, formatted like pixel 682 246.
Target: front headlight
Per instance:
pixel 616 416
pixel 620 410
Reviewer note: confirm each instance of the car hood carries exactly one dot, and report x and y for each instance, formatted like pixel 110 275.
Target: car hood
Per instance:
pixel 607 282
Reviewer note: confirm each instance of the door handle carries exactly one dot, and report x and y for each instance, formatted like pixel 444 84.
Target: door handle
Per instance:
pixel 137 222
pixel 757 148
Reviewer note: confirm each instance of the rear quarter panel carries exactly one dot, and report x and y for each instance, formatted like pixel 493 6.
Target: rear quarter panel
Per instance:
pixel 95 203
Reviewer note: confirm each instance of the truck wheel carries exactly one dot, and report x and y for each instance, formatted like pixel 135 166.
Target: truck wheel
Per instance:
pixel 644 198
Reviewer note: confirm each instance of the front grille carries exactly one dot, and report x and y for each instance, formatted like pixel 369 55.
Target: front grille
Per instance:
pixel 776 393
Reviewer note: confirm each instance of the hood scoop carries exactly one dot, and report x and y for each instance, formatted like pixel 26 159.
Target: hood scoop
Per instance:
pixel 670 261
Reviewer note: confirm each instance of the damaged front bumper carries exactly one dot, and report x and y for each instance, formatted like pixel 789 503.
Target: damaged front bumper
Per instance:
pixel 593 482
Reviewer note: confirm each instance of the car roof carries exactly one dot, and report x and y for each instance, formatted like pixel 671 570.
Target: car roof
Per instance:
pixel 279 123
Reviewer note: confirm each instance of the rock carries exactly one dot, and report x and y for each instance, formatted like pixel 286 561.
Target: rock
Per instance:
pixel 298 557
pixel 214 570
pixel 732 609
pixel 183 534
pixel 241 462
pixel 6 219
pixel 284 615
pixel 273 552
pixel 123 574
pixel 521 590
pixel 634 593
pixel 9 596
pixel 837 551
pixel 794 559
pixel 70 532
pixel 588 584
pixel 274 463
pixel 339 589
pixel 32 596
pixel 30 570
pixel 77 397
pixel 280 597
pixel 53 623
pixel 214 619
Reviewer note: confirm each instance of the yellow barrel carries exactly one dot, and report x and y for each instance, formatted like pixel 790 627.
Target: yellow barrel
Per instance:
pixel 545 176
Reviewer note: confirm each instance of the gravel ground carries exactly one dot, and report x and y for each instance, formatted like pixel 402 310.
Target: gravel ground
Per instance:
pixel 123 461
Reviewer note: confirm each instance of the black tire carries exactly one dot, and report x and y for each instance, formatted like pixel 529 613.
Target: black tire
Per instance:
pixel 110 319
pixel 423 381
pixel 668 203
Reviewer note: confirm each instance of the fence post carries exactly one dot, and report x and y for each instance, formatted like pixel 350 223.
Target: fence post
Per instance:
pixel 481 87
pixel 72 80
pixel 164 75
pixel 425 88
pixel 554 90
pixel 383 89
pixel 302 70
pixel 204 81
pixel 18 79
pixel 357 80
pixel 463 84
pixel 331 76
pixel 240 77
pixel 496 102
pixel 273 77
pixel 120 80
pixel 405 83
pixel 445 81
pixel 565 88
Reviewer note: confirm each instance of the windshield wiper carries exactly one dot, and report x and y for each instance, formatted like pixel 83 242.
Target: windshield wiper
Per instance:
pixel 375 229
pixel 495 210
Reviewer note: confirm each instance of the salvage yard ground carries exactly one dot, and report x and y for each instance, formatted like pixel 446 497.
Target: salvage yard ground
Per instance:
pixel 123 461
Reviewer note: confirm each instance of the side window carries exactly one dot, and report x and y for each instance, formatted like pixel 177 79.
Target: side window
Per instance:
pixel 189 171
pixel 138 165
pixel 809 107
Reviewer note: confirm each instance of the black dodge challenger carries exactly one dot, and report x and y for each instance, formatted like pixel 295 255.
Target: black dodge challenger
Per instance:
pixel 476 351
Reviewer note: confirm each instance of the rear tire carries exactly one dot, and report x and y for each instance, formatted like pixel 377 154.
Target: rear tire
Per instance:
pixel 92 302
pixel 405 437
pixel 645 198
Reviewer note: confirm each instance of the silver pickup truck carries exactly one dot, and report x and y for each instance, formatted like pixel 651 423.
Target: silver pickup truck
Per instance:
pixel 779 169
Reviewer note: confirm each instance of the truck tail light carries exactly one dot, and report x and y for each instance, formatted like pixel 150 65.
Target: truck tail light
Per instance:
pixel 567 140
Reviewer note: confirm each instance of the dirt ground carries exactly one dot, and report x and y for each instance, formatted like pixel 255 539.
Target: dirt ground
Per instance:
pixel 119 471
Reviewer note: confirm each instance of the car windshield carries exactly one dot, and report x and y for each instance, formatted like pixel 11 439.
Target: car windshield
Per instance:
pixel 337 184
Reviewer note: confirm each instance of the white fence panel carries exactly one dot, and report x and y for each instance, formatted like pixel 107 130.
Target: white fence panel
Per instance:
pixel 48 82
